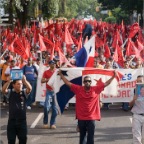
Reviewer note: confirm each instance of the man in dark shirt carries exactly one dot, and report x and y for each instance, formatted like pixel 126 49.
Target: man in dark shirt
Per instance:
pixel 17 125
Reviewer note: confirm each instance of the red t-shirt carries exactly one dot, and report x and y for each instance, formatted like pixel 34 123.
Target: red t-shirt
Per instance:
pixel 47 74
pixel 87 103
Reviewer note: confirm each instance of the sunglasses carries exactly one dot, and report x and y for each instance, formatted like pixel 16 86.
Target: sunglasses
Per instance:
pixel 85 81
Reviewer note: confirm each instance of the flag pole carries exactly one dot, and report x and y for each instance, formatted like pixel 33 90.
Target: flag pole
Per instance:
pixel 3 53
pixel 41 57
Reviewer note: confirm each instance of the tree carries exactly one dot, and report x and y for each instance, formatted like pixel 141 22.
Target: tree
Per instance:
pixel 120 15
pixel 21 8
pixel 127 6
pixel 22 14
pixel 71 8
pixel 50 8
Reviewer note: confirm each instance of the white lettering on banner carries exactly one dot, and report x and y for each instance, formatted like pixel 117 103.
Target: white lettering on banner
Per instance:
pixel 125 87
pixel 41 88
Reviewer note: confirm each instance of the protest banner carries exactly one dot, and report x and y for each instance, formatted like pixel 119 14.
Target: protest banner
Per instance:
pixel 125 89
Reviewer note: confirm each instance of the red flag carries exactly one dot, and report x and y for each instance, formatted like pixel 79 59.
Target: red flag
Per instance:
pixel 117 39
pixel 98 42
pixel 33 26
pixel 10 38
pixel 42 45
pixel 120 56
pixel 4 44
pixel 129 49
pixel 62 57
pixel 19 48
pixel 48 43
pixel 68 40
pixel 140 45
pixel 115 56
pixel 11 46
pixel 132 50
pixel 58 28
pixel 51 26
pixel 107 52
pixel 75 40
pixel 133 30
pixel 27 49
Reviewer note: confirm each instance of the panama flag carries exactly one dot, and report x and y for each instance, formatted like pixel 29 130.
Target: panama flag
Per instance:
pixel 85 56
pixel 76 75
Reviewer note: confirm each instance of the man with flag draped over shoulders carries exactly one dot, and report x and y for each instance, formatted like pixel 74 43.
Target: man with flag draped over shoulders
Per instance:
pixel 87 105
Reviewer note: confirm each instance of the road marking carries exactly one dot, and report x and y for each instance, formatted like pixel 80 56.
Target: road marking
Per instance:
pixel 36 139
pixel 130 120
pixel 36 120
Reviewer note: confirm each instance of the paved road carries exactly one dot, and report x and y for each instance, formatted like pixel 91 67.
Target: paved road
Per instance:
pixel 114 127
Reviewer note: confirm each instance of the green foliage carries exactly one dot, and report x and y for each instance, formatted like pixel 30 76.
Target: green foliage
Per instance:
pixel 111 19
pixel 31 7
pixel 50 8
pixel 75 8
pixel 120 15
pixel 121 9
pixel 126 5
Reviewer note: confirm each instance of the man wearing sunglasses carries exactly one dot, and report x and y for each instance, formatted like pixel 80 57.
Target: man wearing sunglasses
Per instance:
pixel 87 105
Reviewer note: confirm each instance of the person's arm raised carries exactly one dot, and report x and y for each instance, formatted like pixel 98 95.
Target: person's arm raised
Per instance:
pixel 68 83
pixel 27 84
pixel 110 80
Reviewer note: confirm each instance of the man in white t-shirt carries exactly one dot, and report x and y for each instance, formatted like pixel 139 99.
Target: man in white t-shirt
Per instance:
pixel 12 66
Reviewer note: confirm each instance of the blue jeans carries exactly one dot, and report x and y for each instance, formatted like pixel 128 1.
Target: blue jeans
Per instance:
pixel 31 97
pixel 125 106
pixel 86 127
pixel 47 106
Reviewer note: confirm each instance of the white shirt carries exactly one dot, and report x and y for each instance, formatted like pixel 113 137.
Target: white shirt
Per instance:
pixel 8 69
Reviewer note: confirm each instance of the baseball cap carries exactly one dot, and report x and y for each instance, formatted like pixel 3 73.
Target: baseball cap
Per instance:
pixel 51 62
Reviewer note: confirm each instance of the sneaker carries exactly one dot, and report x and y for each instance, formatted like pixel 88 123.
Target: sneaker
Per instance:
pixel 45 126
pixel 66 108
pixel 34 104
pixel 29 107
pixel 52 127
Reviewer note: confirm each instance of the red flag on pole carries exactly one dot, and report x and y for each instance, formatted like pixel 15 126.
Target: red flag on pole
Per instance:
pixel 42 45
pixel 68 40
pixel 132 50
pixel 133 30
pixel 11 46
pixel 140 45
pixel 62 58
pixel 107 52
pixel 19 48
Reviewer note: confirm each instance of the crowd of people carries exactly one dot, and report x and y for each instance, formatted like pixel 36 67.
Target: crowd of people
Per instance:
pixel 24 49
